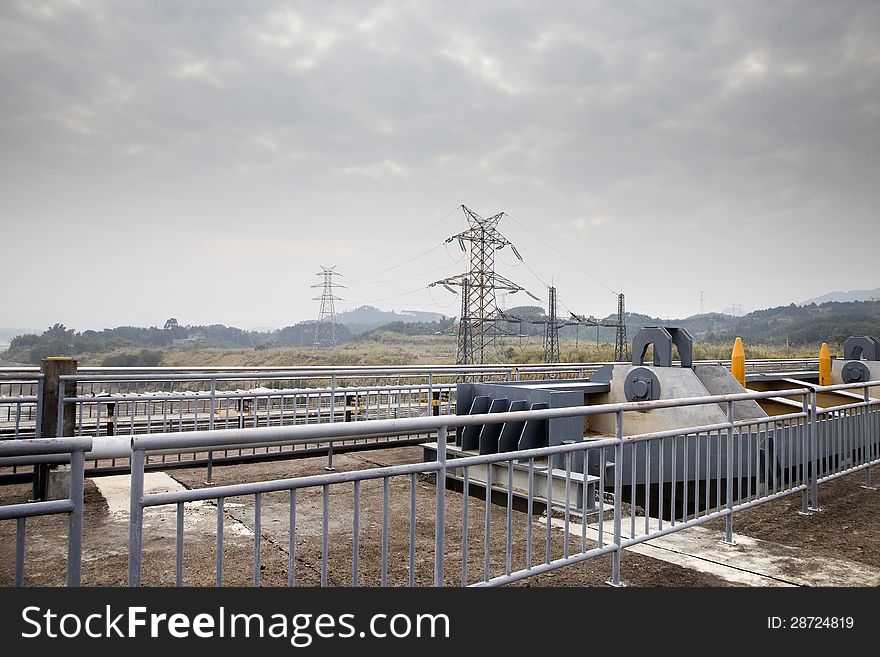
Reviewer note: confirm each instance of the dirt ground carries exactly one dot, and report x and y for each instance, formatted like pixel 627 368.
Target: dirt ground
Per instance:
pixel 847 527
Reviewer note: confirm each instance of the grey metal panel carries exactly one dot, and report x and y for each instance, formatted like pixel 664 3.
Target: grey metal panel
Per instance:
pixel 470 436
pixel 603 375
pixel 511 432
pixel 565 428
pixel 535 432
pixel 464 397
pixel 490 433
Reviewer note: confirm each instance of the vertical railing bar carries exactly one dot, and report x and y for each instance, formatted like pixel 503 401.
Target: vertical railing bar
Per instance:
pixel 178 571
pixel 487 522
pixel 632 488
pixel 567 515
pixel 729 520
pixel 325 533
pixel 601 496
pixel 648 486
pixel 549 499
pixel 219 564
pixel 530 504
pixel 75 523
pixel 384 531
pixel 258 514
pixel 464 526
pixel 412 530
pixel 618 490
pixel 685 479
pixel 508 546
pixel 673 483
pixel 136 517
pixel 718 473
pixel 660 484
pixel 356 531
pixel 291 539
pixel 19 550
pixel 440 513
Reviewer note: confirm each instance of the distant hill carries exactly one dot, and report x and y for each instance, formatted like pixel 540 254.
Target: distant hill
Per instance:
pixel 830 322
pixel 366 318
pixel 6 334
pixel 852 295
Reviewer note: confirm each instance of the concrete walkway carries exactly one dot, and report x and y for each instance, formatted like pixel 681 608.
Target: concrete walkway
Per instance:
pixel 749 562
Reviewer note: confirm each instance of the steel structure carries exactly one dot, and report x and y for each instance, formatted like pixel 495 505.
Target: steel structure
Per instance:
pixel 325 328
pixel 478 325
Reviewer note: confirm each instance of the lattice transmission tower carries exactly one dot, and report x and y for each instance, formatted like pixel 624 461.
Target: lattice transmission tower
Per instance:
pixel 325 328
pixel 478 326
pixel 620 350
pixel 551 333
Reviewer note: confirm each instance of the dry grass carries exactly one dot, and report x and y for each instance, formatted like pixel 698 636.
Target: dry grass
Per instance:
pixel 392 349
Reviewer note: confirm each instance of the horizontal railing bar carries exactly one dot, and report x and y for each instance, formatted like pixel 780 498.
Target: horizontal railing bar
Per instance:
pixel 35 446
pixel 542 568
pixel 850 470
pixel 33 509
pixel 678 526
pixel 769 498
pixel 238 490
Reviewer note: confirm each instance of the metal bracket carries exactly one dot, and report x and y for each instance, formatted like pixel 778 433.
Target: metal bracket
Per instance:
pixel 663 337
pixel 857 346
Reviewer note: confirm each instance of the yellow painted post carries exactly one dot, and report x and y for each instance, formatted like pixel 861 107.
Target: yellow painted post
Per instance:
pixel 738 362
pixel 824 366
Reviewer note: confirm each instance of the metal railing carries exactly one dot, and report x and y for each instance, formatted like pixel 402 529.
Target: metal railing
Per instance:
pixel 20 405
pixel 720 469
pixel 169 400
pixel 73 505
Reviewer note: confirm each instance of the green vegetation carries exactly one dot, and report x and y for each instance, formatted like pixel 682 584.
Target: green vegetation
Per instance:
pixel 786 331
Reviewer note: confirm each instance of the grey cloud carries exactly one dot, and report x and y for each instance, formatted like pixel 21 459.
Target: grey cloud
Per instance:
pixel 664 127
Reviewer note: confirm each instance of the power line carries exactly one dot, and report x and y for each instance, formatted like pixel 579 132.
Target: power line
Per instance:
pixel 401 248
pixel 408 260
pixel 561 254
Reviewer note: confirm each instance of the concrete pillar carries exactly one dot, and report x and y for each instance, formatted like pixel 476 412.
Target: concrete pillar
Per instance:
pixel 52 368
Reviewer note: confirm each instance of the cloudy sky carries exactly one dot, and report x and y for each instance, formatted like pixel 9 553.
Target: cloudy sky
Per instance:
pixel 202 160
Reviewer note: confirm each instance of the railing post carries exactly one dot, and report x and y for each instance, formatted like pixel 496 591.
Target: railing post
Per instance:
pixel 806 449
pixel 618 496
pixel 728 530
pixel 867 438
pixel 56 420
pixel 75 523
pixel 814 451
pixel 440 504
pixel 136 517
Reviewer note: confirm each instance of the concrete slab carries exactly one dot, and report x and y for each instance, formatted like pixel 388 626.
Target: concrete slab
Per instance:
pixel 748 562
pixel 116 491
